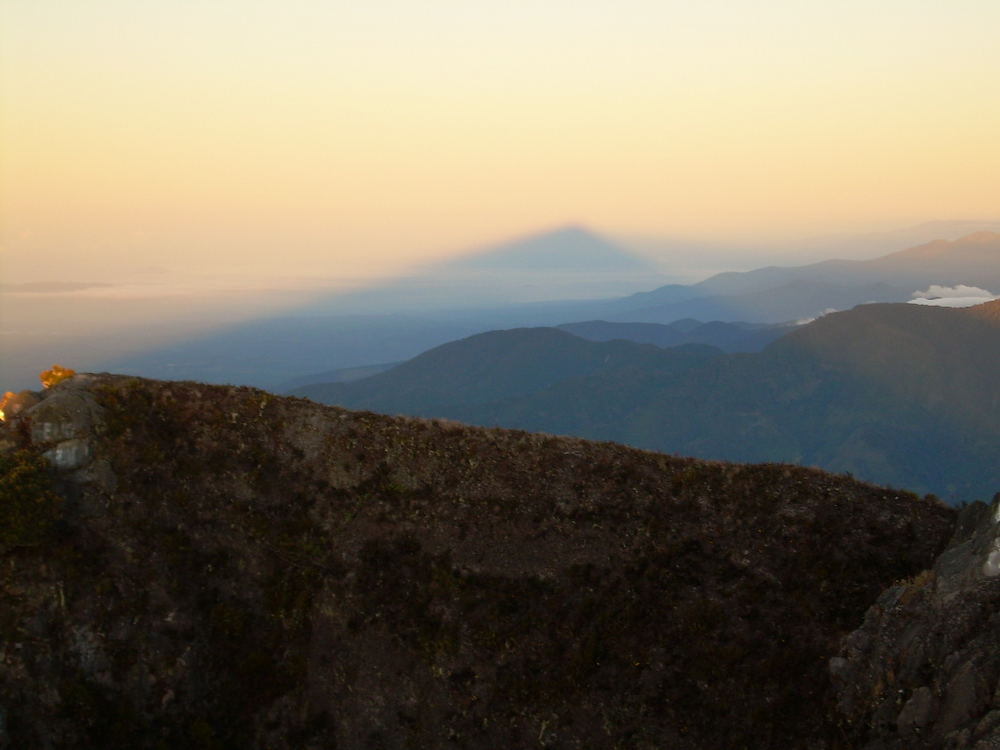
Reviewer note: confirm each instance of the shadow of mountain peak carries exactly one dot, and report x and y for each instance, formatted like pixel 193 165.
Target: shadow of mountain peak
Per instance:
pixel 568 248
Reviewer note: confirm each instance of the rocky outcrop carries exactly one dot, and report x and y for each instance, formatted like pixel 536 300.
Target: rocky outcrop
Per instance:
pixel 65 422
pixel 924 669
pixel 229 569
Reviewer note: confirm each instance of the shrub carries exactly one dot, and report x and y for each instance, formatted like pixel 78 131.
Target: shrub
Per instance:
pixel 29 505
pixel 55 375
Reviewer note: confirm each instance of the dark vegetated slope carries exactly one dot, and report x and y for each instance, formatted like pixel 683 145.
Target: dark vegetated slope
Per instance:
pixel 495 365
pixel 729 408
pixel 904 395
pixel 235 570
pixel 989 312
pixel 925 355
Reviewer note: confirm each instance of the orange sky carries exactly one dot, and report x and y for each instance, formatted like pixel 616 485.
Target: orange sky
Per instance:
pixel 312 137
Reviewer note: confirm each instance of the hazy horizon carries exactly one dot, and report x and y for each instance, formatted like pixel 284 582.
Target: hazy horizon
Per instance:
pixel 96 323
pixel 684 259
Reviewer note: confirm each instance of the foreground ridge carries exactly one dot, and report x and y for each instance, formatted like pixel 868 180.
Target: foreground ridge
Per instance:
pixel 219 567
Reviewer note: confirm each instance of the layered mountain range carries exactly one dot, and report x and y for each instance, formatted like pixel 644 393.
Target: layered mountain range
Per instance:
pixel 777 294
pixel 972 257
pixel 493 289
pixel 730 337
pixel 900 394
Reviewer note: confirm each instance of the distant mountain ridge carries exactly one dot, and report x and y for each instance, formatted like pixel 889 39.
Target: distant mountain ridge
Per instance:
pixel 973 259
pixel 791 300
pixel 729 337
pixel 498 365
pixel 270 352
pixel 899 394
pixel 778 294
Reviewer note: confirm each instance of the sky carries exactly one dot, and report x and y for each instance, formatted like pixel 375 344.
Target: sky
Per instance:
pixel 311 138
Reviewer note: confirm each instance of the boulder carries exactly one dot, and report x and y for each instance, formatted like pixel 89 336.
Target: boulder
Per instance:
pixel 923 669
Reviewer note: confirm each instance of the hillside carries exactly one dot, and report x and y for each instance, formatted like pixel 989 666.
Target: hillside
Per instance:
pixel 498 365
pixel 898 394
pixel 215 567
pixel 942 359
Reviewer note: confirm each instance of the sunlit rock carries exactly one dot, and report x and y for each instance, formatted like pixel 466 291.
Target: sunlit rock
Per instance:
pixel 70 454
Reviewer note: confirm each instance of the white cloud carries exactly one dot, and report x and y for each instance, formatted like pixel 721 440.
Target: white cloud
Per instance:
pixel 960 290
pixel 960 295
pixel 804 321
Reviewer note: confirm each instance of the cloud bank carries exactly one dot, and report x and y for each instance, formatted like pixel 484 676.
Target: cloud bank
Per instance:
pixel 952 296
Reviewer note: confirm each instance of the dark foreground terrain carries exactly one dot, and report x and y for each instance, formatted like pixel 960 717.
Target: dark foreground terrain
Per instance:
pixel 214 567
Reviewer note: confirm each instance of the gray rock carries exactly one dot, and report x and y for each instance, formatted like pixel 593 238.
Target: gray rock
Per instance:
pixel 63 415
pixel 936 639
pixel 70 454
pixel 64 421
pixel 917 712
pixel 963 699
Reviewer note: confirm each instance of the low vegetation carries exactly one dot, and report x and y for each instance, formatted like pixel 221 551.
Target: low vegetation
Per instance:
pixel 29 504
pixel 241 570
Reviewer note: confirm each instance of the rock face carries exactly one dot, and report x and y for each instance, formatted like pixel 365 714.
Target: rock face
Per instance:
pixel 923 670
pixel 229 569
